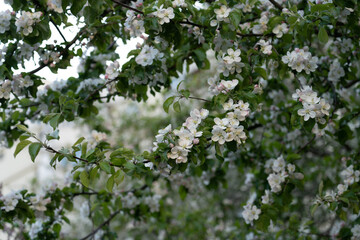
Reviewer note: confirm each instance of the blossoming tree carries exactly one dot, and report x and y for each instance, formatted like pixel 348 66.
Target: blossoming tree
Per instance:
pixel 271 151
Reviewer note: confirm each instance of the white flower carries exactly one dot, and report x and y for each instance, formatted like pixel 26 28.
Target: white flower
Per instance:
pixel 39 203
pixel 307 112
pixel 179 3
pixel 233 56
pixel 228 85
pixel 164 15
pixel 10 201
pixel 336 71
pixel 279 164
pixel 218 134
pixel 265 199
pixel 280 29
pixel 35 229
pixel 5 89
pixel 355 230
pixel 250 213
pixel 222 13
pixel 5 17
pixel 265 47
pixel 291 168
pixel 112 70
pixel 342 188
pixel 275 180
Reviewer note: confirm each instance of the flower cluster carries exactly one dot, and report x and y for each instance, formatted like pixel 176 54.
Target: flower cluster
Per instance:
pixel 147 55
pixel 250 213
pixel 5 17
pixel 164 14
pixel 355 232
pixel 223 86
pixel 188 135
pixel 280 171
pixel 130 201
pixel 26 21
pixel 10 201
pixel 160 137
pixel 133 24
pixel 336 71
pixel 350 177
pixel 179 3
pixel 5 89
pixel 90 84
pixel 39 202
pixel 19 82
pixel 313 106
pixel 301 59
pixel 229 129
pixel 230 62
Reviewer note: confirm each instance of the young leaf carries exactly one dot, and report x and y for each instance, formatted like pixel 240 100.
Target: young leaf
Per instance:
pixel 105 166
pixel 167 103
pixel 177 107
pixel 110 184
pixel 34 149
pixel 21 146
pixel 323 36
pixel 84 178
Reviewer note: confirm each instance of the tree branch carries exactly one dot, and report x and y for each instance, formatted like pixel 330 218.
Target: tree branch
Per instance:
pixel 128 7
pixel 61 53
pixel 307 144
pixel 57 28
pixel 278 6
pixel 101 225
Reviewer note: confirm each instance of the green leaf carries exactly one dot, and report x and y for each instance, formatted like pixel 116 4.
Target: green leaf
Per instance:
pixel 21 146
pixel 177 107
pixel 235 18
pixel 105 166
pixel 167 103
pixel 321 187
pixel 110 184
pixel 23 128
pixel 34 149
pixel 182 192
pixel 313 209
pixel 323 36
pixel 84 178
pixel 77 6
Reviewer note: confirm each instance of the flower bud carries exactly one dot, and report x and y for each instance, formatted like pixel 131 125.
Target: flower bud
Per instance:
pixel 171 145
pixel 196 141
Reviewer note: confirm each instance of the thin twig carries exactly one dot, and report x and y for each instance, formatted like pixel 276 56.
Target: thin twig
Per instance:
pixel 99 88
pixel 196 98
pixel 61 53
pixel 128 7
pixel 101 225
pixel 57 28
pixel 307 144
